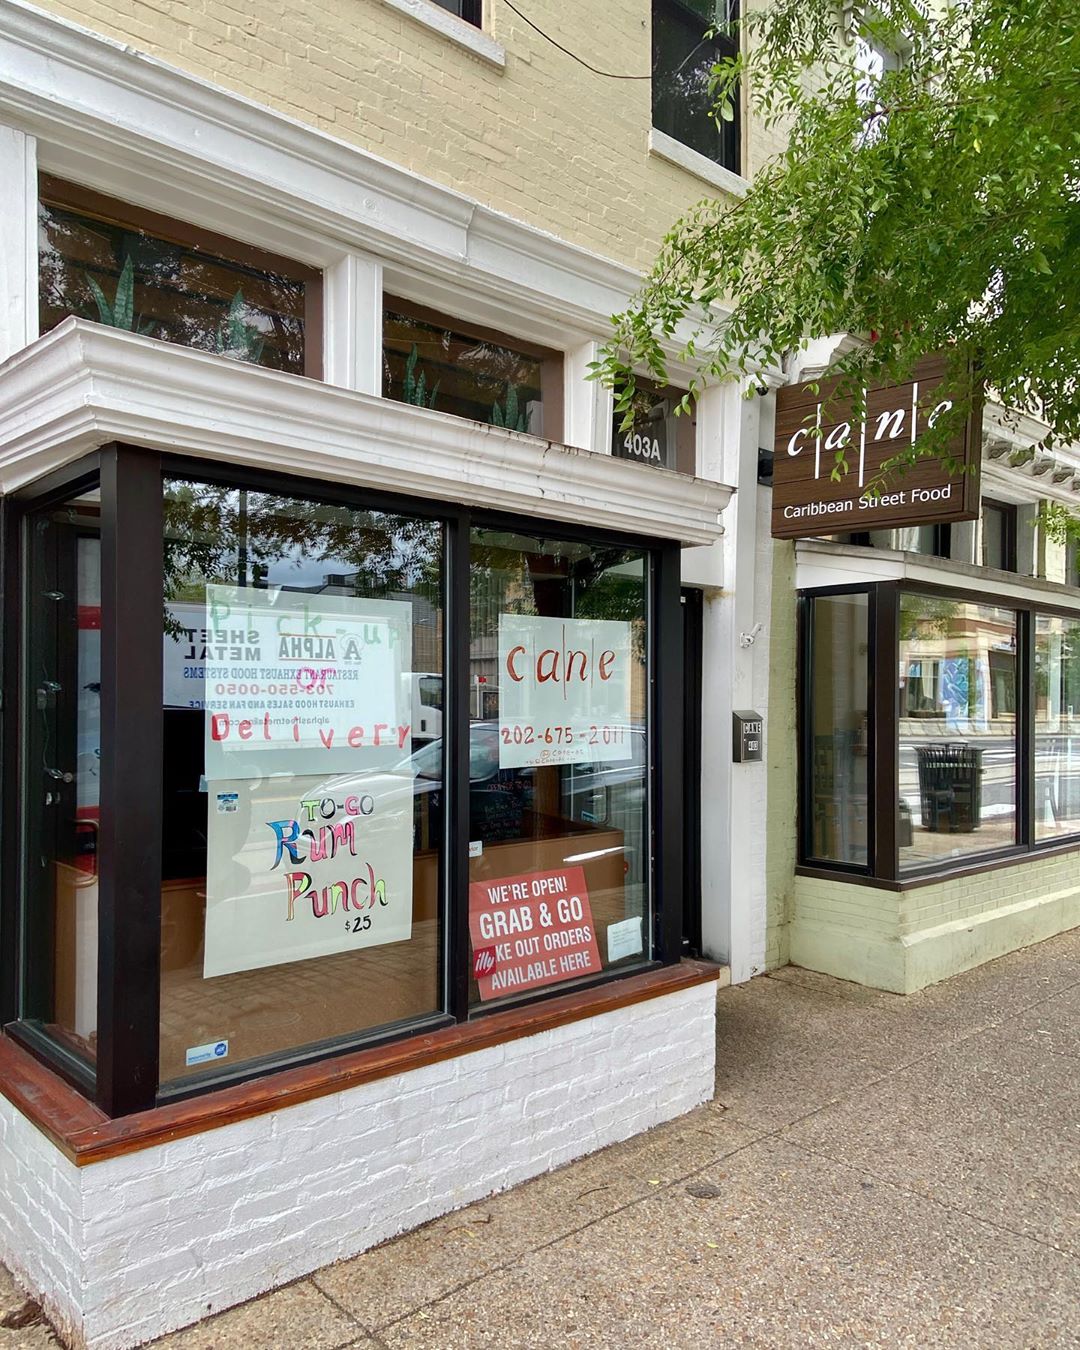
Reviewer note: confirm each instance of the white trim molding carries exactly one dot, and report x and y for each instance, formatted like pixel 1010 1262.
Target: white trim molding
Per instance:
pixel 83 385
pixel 701 166
pixel 448 25
pixel 18 241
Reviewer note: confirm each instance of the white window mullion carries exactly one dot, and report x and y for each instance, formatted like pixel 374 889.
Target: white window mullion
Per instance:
pixel 588 412
pixel 352 323
pixel 18 241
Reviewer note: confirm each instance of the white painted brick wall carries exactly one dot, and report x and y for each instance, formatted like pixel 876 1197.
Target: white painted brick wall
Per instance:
pixel 208 1221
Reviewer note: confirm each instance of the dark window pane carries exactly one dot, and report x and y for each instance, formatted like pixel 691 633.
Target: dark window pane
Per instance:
pixel 659 437
pixel 558 765
pixel 999 536
pixel 96 267
pixel 62 677
pixel 683 58
pixel 839 703
pixel 469 10
pixel 435 367
pixel 303 649
pixel 957 730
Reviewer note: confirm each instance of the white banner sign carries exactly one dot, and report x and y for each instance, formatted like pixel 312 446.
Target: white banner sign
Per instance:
pixel 297 682
pixel 304 867
pixel 564 690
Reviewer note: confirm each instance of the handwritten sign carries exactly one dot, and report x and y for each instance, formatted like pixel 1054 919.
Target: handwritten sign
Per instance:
pixel 304 867
pixel 302 682
pixel 531 930
pixel 564 690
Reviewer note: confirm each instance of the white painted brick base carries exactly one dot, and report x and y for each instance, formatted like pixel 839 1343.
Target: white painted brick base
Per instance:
pixel 125 1250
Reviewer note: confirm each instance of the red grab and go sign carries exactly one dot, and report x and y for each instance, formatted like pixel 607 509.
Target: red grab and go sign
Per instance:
pixel 531 930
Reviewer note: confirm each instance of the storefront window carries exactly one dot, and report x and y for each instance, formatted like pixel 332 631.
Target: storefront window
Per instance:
pixel 476 375
pixel 61 760
pixel 839 711
pixel 1057 726
pixel 303 659
pixel 558 813
pixel 957 729
pixel 140 272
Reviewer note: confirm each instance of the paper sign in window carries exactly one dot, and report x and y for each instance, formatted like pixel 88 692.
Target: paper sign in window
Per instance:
pixel 564 690
pixel 299 682
pixel 305 867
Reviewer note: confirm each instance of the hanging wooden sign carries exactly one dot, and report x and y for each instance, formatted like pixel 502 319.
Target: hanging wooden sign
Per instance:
pixel 812 425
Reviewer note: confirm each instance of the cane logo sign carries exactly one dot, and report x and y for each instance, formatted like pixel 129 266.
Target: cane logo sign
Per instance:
pixel 812 426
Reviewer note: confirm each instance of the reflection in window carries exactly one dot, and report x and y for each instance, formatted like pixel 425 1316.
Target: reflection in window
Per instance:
pixel 128 269
pixel 659 437
pixel 683 58
pixel 839 705
pixel 558 808
pixel 433 366
pixel 957 729
pixel 1057 726
pixel 61 771
pixel 301 855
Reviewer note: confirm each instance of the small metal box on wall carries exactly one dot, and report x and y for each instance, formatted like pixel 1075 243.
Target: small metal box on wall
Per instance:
pixel 746 736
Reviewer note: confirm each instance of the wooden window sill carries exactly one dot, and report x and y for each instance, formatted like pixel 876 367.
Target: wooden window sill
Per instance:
pixel 85 1135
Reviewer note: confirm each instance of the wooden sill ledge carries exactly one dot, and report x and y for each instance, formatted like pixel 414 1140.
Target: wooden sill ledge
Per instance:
pixel 85 1135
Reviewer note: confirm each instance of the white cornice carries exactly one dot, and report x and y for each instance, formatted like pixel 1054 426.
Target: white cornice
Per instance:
pixel 83 385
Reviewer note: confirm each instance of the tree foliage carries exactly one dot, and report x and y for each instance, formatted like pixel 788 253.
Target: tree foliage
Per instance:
pixel 932 207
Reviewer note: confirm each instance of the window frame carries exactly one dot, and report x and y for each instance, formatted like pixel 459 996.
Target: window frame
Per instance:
pixel 725 45
pixel 1008 514
pixel 87 201
pixel 883 870
pixel 129 934
pixel 472 11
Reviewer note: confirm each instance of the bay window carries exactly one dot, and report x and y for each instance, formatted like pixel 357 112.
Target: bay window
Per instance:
pixel 301 769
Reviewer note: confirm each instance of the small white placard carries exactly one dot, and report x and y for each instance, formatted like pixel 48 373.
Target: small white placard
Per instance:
pixel 202 1054
pixel 623 939
pixel 476 848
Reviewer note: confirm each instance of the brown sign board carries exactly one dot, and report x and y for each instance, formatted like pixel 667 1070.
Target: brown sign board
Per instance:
pixel 810 428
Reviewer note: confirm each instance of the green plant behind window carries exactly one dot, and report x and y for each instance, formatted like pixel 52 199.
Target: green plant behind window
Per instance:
pixel 237 338
pixel 414 390
pixel 121 313
pixel 510 414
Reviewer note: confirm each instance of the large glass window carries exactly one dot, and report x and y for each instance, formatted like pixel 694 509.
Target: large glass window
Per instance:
pixel 100 259
pixel 61 760
pixel 558 806
pixel 1057 726
pixel 839 742
pixel 303 660
pixel 957 728
pixel 688 38
pixel 469 373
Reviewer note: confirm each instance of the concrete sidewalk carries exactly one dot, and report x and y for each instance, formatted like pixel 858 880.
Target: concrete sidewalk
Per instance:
pixel 874 1171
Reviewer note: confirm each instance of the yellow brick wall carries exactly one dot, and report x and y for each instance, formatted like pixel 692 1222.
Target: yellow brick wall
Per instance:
pixel 544 140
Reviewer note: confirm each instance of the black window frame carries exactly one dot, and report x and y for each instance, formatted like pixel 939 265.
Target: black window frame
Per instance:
pixel 883 868
pixel 723 45
pixel 129 938
pixel 469 11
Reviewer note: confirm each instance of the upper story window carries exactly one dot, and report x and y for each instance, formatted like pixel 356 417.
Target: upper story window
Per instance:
pixel 684 51
pixel 998 522
pixel 659 437
pixel 104 260
pixel 435 362
pixel 469 10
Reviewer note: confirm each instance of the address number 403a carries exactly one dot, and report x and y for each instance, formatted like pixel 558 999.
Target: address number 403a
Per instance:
pixel 642 446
